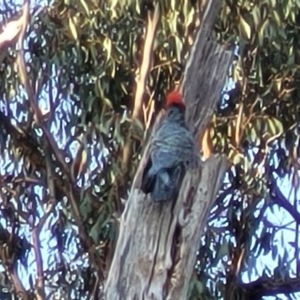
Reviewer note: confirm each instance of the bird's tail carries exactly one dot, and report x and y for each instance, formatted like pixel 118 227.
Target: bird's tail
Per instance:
pixel 166 184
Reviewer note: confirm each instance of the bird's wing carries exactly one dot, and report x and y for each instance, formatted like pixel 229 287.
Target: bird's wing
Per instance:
pixel 171 145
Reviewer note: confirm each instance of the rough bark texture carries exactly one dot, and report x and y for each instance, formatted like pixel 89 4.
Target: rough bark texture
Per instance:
pixel 157 244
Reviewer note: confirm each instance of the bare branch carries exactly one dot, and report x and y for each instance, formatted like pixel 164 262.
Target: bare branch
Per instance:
pixel 192 220
pixel 204 74
pixel 157 244
pixel 146 62
pixel 14 28
pixel 40 287
pixel 11 246
pixel 141 83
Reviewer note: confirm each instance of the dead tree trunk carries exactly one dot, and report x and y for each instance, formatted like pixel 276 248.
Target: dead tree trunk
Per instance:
pixel 157 244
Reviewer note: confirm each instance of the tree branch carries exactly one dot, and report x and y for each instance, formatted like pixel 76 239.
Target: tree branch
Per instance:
pixel 157 244
pixel 205 72
pixel 192 220
pixel 141 82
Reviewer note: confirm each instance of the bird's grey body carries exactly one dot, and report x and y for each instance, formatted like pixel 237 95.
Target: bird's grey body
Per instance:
pixel 172 151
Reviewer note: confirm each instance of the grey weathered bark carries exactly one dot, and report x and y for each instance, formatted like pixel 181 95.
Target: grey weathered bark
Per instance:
pixel 157 244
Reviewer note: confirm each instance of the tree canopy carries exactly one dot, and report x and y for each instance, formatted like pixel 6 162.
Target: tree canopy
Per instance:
pixel 81 85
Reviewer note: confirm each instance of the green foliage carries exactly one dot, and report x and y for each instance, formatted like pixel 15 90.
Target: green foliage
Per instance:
pixel 257 124
pixel 266 73
pixel 91 51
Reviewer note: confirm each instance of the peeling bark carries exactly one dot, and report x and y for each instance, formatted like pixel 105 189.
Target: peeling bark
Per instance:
pixel 157 244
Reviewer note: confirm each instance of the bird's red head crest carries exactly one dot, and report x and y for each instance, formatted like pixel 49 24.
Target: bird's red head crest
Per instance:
pixel 174 97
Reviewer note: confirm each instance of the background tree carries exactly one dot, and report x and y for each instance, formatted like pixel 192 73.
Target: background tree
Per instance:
pixel 72 124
